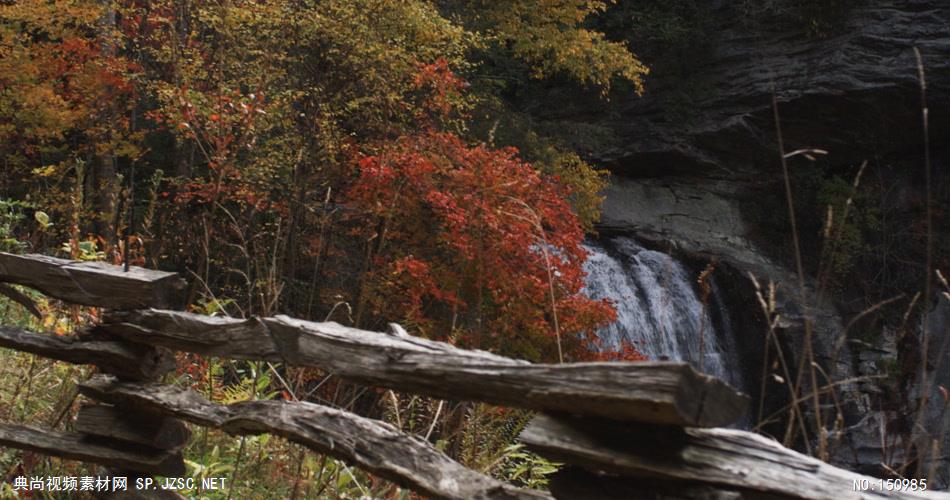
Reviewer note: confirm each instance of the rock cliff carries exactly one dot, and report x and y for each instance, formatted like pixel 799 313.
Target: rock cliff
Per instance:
pixel 689 169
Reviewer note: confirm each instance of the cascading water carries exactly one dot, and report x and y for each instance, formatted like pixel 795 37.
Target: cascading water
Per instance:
pixel 658 310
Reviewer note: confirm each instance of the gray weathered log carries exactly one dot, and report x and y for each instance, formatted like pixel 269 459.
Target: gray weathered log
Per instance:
pixel 721 457
pixel 75 446
pixel 129 360
pixel 206 335
pixel 18 297
pixel 122 424
pixel 369 444
pixel 657 392
pixel 93 283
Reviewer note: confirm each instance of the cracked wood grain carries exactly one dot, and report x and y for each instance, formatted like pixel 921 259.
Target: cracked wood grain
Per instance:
pixel 372 445
pixel 654 392
pixel 93 283
pixel 126 359
pixel 727 459
pixel 75 446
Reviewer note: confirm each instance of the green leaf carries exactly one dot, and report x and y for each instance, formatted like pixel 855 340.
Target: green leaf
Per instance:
pixel 42 218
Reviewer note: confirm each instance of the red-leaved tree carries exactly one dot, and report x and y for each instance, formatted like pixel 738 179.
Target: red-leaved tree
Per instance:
pixel 472 243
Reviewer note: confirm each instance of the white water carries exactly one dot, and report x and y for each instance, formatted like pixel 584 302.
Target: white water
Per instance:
pixel 658 309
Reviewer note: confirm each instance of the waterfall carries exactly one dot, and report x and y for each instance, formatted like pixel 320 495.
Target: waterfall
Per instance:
pixel 658 309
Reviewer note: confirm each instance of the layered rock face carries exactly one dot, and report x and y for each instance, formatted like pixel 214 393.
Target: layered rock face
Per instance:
pixel 853 92
pixel 688 179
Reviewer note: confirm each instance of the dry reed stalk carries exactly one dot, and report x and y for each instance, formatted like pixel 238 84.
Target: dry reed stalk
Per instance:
pixel 925 387
pixel 808 355
pixel 769 310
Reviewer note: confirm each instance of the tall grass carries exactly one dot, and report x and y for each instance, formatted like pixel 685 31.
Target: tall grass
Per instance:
pixel 807 400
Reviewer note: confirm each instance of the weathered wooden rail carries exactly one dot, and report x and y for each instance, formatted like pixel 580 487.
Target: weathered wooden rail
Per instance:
pixel 661 393
pixel 627 430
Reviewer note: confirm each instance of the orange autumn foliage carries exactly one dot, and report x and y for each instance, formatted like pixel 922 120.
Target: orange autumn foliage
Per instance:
pixel 465 236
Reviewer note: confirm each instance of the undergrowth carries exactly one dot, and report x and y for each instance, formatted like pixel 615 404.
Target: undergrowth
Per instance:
pixel 42 393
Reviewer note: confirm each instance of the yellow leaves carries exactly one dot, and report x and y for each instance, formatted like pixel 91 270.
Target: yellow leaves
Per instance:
pixel 60 325
pixel 54 19
pixel 47 171
pixel 39 114
pixel 549 35
pixel 42 218
pixel 128 149
pixel 586 184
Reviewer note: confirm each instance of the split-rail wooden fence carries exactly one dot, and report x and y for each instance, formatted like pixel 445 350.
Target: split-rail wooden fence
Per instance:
pixel 624 430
